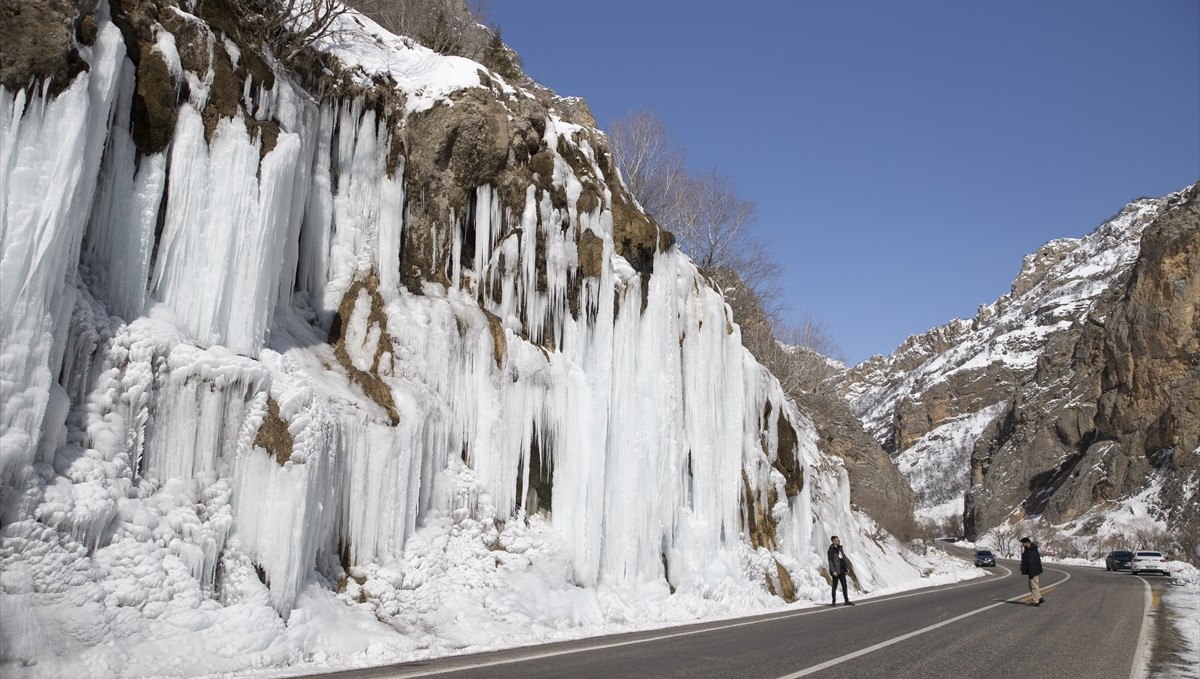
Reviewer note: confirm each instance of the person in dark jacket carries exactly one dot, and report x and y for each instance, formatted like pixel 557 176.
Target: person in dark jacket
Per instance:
pixel 838 565
pixel 1031 565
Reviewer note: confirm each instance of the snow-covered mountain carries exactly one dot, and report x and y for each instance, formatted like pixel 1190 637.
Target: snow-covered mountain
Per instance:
pixel 1013 410
pixel 368 356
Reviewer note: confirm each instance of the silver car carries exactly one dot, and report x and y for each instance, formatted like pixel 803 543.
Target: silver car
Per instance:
pixel 1144 560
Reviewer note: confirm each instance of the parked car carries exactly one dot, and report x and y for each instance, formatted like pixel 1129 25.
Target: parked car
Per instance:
pixel 1145 560
pixel 1118 560
pixel 984 557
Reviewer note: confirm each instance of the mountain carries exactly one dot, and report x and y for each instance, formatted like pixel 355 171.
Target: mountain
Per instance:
pixel 332 349
pixel 1071 399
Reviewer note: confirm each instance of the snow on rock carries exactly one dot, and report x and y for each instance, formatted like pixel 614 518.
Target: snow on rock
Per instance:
pixel 929 401
pixel 233 439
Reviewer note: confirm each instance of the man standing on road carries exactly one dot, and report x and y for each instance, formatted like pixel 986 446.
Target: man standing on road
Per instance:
pixel 1031 565
pixel 837 570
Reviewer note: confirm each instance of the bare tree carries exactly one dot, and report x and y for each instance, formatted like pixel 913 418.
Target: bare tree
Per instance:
pixel 651 164
pixel 761 273
pixel 713 224
pixel 709 218
pixel 802 355
pixel 445 26
pixel 287 26
pixel 1005 537
pixel 713 221
pixel 812 334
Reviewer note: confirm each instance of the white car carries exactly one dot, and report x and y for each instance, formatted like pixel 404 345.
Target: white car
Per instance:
pixel 1144 560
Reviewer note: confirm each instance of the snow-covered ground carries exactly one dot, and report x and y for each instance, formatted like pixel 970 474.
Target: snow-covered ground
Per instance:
pixel 1183 601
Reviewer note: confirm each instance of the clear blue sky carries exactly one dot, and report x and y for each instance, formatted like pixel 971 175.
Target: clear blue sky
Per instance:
pixel 904 156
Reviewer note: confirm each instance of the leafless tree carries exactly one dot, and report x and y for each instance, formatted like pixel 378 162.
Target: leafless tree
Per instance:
pixel 713 224
pixel 651 164
pixel 713 221
pixel 710 220
pixel 761 273
pixel 812 334
pixel 446 26
pixel 287 26
pixel 1005 537
pixel 803 350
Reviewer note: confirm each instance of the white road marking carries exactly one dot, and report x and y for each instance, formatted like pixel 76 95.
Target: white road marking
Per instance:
pixel 1141 659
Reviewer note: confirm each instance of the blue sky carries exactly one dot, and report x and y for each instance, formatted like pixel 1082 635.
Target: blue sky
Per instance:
pixel 904 156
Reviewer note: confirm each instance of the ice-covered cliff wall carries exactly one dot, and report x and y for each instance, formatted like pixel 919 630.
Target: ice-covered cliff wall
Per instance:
pixel 258 348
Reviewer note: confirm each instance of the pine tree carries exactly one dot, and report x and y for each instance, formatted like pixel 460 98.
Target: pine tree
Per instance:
pixel 500 59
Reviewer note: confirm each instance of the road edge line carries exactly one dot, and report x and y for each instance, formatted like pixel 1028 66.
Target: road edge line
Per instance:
pixel 1141 657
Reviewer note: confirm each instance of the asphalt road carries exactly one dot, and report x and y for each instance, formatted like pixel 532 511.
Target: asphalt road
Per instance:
pixel 1091 626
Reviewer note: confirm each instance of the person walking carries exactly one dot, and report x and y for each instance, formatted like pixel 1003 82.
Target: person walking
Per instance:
pixel 838 565
pixel 1031 565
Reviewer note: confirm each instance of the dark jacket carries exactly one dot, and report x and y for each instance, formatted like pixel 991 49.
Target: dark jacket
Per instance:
pixel 837 560
pixel 1031 561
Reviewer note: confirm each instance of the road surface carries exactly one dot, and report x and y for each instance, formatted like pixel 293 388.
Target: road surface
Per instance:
pixel 1093 625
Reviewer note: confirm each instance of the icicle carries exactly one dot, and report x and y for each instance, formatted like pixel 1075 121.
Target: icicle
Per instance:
pixel 50 155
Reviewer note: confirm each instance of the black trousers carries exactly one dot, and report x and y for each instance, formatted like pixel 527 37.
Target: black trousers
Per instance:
pixel 840 577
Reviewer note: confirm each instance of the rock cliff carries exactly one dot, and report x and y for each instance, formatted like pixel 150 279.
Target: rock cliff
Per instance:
pixel 1113 406
pixel 1076 389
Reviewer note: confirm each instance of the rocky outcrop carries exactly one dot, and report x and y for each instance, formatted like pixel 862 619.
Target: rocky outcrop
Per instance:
pixel 40 42
pixel 1071 391
pixel 1113 406
pixel 877 487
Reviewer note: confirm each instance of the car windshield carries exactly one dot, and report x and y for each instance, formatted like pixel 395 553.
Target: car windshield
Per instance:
pixel 1121 555
pixel 1150 554
pixel 983 552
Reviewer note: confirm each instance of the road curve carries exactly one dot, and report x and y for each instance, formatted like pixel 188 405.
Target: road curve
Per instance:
pixel 1089 627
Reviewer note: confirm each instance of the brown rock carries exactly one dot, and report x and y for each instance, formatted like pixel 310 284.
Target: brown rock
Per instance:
pixel 39 43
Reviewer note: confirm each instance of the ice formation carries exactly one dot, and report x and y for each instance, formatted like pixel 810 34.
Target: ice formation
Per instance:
pixel 187 462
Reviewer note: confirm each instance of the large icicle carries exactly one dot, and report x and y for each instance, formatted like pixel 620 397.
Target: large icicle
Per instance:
pixel 50 154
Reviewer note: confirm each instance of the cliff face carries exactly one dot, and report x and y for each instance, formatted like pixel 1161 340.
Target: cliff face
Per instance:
pixel 285 338
pixel 1073 391
pixel 1112 407
pixel 877 487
